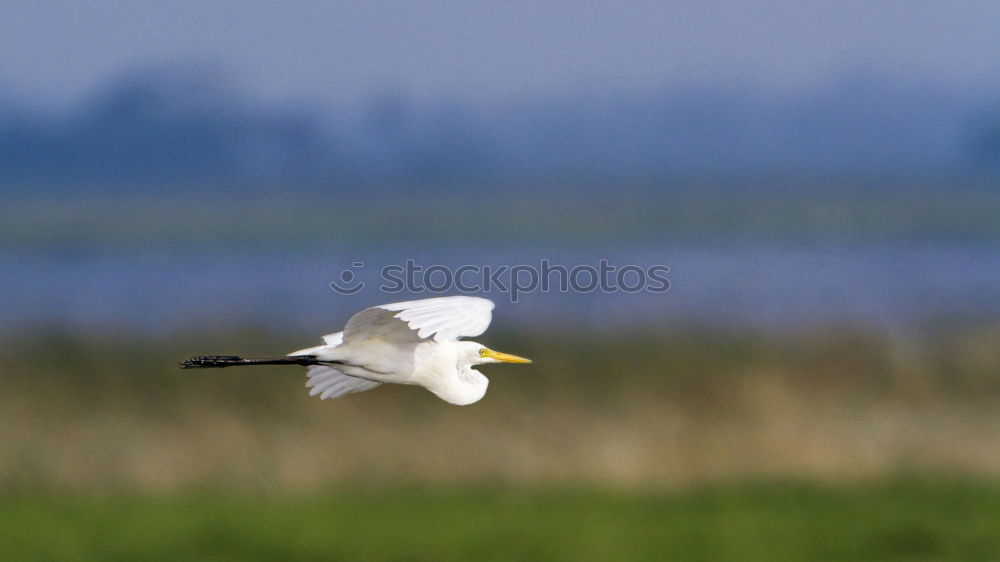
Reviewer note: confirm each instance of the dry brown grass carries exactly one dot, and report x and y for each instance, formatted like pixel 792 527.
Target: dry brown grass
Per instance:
pixel 667 409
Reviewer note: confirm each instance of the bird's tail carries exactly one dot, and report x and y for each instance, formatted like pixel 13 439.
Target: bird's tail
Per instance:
pixel 219 361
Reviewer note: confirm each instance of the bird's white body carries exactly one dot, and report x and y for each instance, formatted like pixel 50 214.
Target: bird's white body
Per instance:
pixel 433 365
pixel 415 343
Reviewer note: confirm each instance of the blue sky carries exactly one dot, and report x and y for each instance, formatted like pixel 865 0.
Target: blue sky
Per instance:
pixel 58 52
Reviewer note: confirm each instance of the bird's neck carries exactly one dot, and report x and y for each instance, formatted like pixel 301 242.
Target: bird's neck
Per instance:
pixel 468 387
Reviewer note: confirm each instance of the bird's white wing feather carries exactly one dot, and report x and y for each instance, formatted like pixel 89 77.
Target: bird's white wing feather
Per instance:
pixel 329 341
pixel 334 339
pixel 443 318
pixel 330 382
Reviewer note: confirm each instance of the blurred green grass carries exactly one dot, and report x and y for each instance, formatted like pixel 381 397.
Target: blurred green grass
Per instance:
pixel 908 519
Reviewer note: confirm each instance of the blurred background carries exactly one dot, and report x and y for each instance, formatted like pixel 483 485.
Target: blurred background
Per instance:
pixel 822 380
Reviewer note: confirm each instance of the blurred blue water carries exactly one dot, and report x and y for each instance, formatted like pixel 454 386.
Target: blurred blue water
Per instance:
pixel 898 287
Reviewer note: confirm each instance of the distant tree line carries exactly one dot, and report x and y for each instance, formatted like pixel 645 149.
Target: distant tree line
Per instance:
pixel 154 128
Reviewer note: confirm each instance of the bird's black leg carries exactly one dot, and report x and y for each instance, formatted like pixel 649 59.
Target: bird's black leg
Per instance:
pixel 219 361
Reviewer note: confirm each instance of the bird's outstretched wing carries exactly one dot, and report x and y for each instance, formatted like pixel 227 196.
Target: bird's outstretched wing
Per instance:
pixel 330 382
pixel 443 318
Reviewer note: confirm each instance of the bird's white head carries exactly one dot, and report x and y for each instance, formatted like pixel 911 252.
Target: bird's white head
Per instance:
pixel 478 354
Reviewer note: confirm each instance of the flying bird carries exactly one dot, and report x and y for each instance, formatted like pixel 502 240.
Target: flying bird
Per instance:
pixel 414 342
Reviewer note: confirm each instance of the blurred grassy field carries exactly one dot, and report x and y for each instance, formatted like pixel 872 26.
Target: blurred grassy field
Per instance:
pixel 828 445
pixel 902 520
pixel 661 409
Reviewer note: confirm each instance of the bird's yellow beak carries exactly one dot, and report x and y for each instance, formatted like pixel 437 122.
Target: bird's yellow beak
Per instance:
pixel 506 357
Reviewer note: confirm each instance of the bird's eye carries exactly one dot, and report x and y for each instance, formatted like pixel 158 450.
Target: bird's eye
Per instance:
pixel 482 352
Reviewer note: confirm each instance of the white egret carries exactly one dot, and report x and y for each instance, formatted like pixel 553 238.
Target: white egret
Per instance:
pixel 414 342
